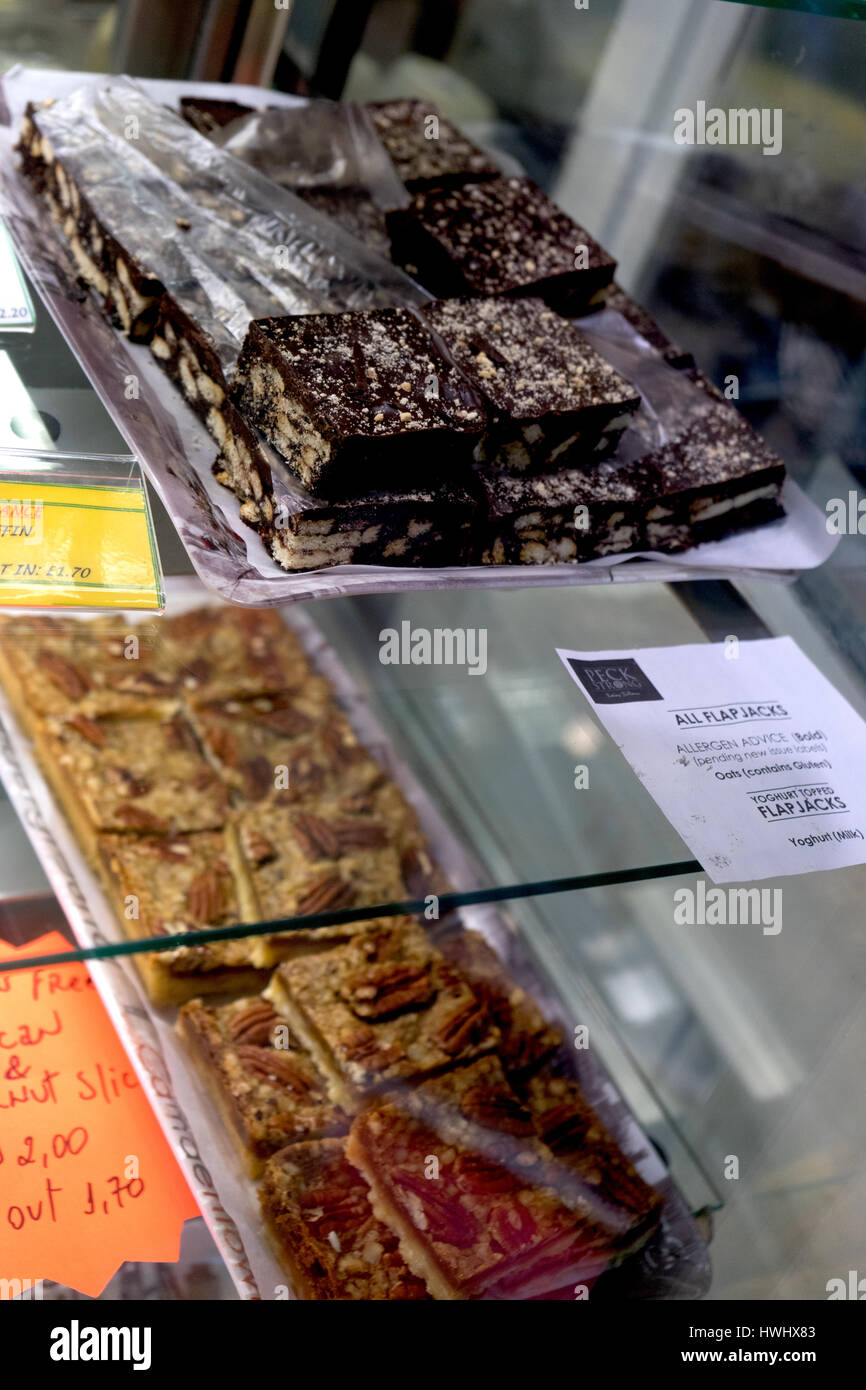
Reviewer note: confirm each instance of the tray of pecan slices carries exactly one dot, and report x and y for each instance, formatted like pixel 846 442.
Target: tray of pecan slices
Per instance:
pixel 385 1108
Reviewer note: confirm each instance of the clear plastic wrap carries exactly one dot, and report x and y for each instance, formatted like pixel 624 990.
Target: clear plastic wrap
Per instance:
pixel 319 253
pixel 323 144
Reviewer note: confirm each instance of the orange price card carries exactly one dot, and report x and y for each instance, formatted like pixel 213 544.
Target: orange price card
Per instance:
pixel 87 1179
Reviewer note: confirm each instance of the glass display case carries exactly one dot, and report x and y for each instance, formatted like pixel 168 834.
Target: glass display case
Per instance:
pixel 723 1041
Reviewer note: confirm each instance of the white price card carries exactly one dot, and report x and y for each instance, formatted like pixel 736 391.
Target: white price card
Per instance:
pixel 754 757
pixel 16 309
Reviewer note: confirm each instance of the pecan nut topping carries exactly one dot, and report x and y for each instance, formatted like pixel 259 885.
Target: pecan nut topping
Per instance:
pixel 136 818
pixel 208 896
pixel 497 1110
pixel 463 1026
pixel 179 734
pixel 290 722
pixel 258 777
pixel 475 1173
pixel 73 682
pixel 362 1045
pixel 564 1127
pixel 355 835
pixel 224 746
pixel 267 1064
pixel 257 847
pixel 254 1025
pixel 88 729
pixel 386 989
pixel 443 1219
pixel 322 894
pixel 132 786
pixel 315 836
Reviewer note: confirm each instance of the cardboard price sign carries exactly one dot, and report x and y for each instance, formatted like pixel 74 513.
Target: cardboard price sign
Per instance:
pixel 87 1180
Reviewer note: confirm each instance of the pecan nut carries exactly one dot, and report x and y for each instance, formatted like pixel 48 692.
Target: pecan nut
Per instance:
pixel 88 729
pixel 136 818
pixel 257 847
pixel 315 836
pixel 386 989
pixel 496 1109
pixel 73 682
pixel 443 1219
pixel 179 735
pixel 224 746
pixel 258 777
pixel 209 896
pixel 474 1173
pixel 254 1025
pixel 322 894
pixel 356 835
pixel 268 1064
pixel 463 1026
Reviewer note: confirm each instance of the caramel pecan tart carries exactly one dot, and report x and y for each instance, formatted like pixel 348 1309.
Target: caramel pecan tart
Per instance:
pixel 301 861
pixel 477 1201
pixel 148 775
pixel 318 1216
pixel 163 885
pixel 262 1081
pixel 384 1007
pixel 224 653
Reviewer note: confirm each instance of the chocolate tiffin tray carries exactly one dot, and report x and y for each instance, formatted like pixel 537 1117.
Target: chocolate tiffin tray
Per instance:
pixel 331 272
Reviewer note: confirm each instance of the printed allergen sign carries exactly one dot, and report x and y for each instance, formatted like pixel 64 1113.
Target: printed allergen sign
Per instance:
pixel 754 757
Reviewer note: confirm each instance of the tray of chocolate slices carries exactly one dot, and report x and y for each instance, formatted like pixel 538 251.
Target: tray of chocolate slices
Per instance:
pixel 384 1107
pixel 355 355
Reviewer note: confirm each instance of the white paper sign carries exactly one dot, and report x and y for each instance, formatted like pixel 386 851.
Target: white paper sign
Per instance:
pixel 753 756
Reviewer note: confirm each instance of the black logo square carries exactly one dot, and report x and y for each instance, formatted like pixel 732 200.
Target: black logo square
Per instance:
pixel 615 681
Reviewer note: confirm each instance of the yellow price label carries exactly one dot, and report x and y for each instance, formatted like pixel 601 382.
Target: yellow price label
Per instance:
pixel 76 546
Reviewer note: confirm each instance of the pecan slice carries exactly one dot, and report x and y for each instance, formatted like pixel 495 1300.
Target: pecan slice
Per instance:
pixel 88 729
pixel 209 896
pixel 70 679
pixel 359 803
pixel 136 818
pixel 355 835
pixel 321 894
pixel 388 988
pixel 132 786
pixel 315 836
pixel 254 1025
pixel 463 1026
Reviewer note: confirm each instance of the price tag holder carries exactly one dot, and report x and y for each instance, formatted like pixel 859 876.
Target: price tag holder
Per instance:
pixel 72 541
pixel 16 307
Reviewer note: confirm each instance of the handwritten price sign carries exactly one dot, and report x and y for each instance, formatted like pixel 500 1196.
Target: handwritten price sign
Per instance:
pixel 87 1180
